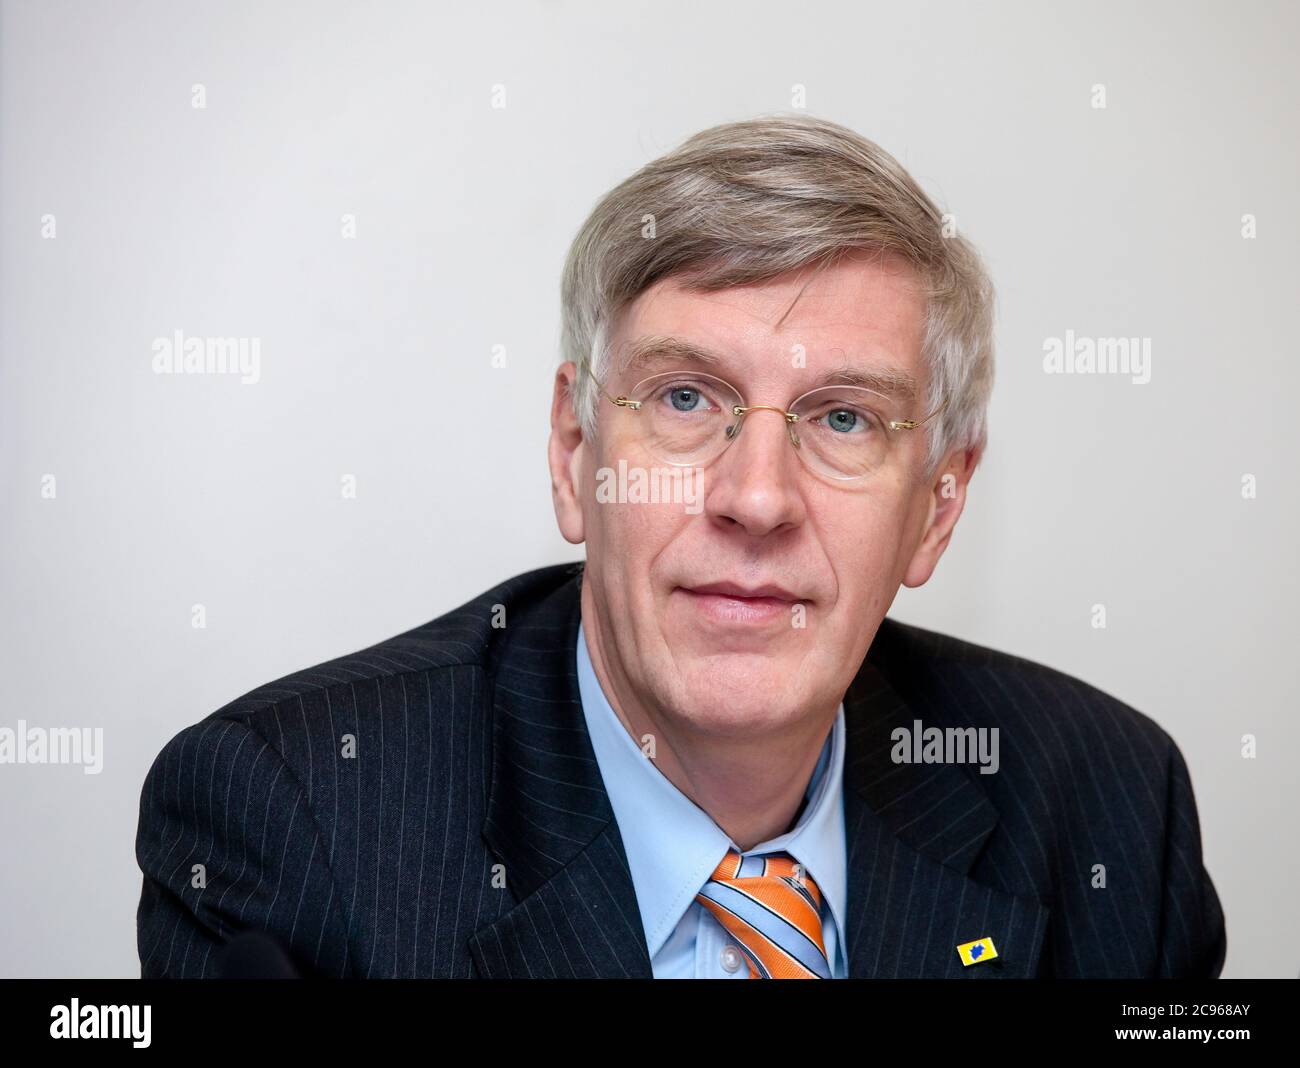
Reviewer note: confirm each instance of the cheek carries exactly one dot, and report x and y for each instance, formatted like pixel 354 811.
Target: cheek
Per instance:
pixel 632 542
pixel 864 549
pixel 624 522
pixel 634 558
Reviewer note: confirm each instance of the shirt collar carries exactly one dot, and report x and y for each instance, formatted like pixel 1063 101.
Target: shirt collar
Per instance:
pixel 673 845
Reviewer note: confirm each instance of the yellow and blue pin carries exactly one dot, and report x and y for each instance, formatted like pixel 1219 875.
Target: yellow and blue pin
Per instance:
pixel 977 952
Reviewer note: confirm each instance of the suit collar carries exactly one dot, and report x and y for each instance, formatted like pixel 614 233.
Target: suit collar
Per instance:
pixel 912 833
pixel 549 822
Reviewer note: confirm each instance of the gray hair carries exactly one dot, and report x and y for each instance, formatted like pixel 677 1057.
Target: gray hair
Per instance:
pixel 746 201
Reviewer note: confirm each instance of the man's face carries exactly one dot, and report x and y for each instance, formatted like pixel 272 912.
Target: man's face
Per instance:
pixel 757 605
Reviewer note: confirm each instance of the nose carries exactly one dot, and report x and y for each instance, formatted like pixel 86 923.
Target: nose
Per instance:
pixel 755 482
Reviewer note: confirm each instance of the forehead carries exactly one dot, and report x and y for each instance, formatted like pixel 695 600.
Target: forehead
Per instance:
pixel 866 312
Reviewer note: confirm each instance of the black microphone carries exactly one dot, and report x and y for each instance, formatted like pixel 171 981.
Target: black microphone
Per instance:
pixel 255 955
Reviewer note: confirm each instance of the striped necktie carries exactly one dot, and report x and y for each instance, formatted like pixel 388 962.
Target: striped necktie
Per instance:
pixel 772 909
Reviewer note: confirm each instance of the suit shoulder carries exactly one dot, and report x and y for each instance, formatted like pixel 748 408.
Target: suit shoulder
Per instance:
pixel 996 688
pixel 463 639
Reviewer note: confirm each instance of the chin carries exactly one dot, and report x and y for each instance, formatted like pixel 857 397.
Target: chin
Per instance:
pixel 740 692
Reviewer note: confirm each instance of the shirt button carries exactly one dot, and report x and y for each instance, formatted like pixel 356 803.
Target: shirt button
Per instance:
pixel 731 959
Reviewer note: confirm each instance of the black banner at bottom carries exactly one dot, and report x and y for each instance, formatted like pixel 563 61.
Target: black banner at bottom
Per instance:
pixel 238 1018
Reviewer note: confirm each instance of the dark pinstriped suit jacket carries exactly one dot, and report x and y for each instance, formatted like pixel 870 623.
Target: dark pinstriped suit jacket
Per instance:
pixel 469 833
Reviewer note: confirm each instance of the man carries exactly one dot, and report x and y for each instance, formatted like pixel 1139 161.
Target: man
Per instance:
pixel 707 753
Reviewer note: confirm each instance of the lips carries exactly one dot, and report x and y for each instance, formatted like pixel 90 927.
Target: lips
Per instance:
pixel 767 591
pixel 729 605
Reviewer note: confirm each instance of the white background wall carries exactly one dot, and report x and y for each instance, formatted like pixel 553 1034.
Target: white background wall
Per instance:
pixel 376 359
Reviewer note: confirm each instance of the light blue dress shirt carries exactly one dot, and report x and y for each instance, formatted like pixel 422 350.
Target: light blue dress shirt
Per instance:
pixel 673 845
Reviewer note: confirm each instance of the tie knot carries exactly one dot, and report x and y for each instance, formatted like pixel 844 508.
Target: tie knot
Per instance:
pixel 778 866
pixel 772 907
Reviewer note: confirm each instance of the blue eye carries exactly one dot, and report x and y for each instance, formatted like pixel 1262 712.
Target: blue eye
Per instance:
pixel 684 398
pixel 842 420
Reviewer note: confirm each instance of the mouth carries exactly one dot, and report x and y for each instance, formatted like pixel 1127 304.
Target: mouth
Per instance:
pixel 734 604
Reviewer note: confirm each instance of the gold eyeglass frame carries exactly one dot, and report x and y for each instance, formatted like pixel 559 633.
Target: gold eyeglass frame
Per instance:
pixel 741 410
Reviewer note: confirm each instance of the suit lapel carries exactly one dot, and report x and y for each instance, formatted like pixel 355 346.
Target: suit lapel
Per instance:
pixel 912 833
pixel 549 822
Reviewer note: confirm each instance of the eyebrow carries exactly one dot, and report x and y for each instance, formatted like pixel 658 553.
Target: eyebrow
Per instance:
pixel 647 353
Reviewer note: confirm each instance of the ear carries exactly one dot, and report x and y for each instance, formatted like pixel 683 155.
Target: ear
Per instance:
pixel 564 455
pixel 947 497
